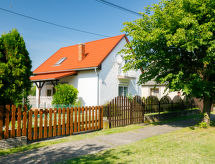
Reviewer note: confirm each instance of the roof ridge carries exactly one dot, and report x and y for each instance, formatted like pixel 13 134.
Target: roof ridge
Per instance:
pixel 106 38
pixel 96 40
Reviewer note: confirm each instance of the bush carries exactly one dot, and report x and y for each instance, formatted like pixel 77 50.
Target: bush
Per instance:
pixel 32 92
pixel 78 103
pixel 203 125
pixel 65 95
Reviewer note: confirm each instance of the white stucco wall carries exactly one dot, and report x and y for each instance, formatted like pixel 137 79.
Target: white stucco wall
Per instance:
pixel 86 83
pixel 108 77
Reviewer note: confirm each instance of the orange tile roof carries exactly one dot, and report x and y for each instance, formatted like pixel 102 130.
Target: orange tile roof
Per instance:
pixel 96 52
pixel 51 76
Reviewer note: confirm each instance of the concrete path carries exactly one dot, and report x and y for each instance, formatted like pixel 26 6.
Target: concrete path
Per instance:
pixel 68 150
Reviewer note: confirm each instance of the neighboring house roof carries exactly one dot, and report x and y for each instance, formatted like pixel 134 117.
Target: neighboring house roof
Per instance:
pixel 152 83
pixel 96 52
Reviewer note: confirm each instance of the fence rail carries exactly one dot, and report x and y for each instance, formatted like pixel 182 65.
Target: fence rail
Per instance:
pixel 40 124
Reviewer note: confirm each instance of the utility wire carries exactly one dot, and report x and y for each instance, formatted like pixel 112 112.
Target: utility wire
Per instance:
pixel 51 23
pixel 118 7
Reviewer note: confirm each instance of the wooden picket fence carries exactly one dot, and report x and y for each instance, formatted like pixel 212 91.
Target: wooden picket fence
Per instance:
pixel 41 124
pixel 121 111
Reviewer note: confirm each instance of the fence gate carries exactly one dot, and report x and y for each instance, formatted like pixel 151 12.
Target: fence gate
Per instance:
pixel 123 111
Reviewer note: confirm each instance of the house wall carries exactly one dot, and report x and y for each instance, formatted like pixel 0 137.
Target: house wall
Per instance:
pixel 108 77
pixel 162 92
pixel 84 81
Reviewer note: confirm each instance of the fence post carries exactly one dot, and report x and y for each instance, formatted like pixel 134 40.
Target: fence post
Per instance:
pixel 86 118
pixel 59 122
pixel 71 121
pixel 101 117
pixel 19 121
pixel 143 109
pixel 50 122
pixel 82 120
pixel 24 126
pixel 55 123
pixel 46 123
pixel 13 120
pixel 41 124
pixel 7 120
pixel 109 114
pixel 67 121
pixel 35 123
pixel 131 113
pixel 29 125
pixel 63 121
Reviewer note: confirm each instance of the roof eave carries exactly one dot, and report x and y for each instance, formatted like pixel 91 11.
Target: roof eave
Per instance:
pixel 78 69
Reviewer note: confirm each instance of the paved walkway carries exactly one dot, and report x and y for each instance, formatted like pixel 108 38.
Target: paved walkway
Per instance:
pixel 68 150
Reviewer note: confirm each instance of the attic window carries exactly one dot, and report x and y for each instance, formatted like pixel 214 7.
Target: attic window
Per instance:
pixel 60 61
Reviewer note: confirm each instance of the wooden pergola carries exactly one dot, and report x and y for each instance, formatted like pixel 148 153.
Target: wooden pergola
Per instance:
pixel 40 85
pixel 53 78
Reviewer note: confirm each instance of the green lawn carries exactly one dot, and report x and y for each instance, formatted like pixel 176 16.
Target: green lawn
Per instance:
pixel 182 146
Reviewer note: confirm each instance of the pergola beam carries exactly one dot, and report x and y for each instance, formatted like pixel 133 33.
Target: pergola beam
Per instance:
pixel 40 85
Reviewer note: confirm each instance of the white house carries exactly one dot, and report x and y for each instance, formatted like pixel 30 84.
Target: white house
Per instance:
pixel 150 88
pixel 94 68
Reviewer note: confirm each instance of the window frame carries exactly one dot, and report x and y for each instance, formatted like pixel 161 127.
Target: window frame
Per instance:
pixel 50 90
pixel 60 61
pixel 123 92
pixel 153 93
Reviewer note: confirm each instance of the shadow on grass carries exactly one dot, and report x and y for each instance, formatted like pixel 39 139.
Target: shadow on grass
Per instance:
pixel 53 154
pixel 105 158
pixel 181 121
pixel 201 124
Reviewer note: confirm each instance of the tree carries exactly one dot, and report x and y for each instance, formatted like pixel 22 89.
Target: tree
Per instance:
pixel 32 92
pixel 65 95
pixel 15 68
pixel 174 43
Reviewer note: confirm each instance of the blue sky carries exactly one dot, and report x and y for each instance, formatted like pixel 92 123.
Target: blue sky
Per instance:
pixel 42 40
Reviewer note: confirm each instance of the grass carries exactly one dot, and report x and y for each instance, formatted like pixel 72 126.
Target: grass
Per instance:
pixel 88 135
pixel 181 146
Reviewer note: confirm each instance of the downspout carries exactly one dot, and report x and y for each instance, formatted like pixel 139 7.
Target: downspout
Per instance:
pixel 97 74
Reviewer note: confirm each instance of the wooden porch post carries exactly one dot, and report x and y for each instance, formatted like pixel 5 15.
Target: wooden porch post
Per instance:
pixel 39 86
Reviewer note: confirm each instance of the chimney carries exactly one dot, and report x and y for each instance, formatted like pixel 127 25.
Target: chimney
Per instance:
pixel 81 51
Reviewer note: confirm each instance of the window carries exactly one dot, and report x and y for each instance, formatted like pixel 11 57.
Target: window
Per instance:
pixel 49 92
pixel 123 91
pixel 154 91
pixel 60 61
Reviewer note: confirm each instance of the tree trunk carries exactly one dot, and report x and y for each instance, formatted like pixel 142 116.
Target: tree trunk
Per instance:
pixel 207 104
